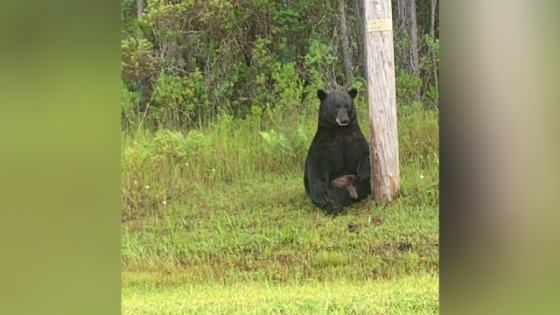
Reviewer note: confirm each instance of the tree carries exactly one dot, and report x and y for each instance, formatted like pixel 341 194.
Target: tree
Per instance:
pixel 359 35
pixel 344 39
pixel 402 31
pixel 414 45
pixel 432 34
pixel 379 51
pixel 140 8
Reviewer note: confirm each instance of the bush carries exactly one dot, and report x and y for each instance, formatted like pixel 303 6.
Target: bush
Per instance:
pixel 138 61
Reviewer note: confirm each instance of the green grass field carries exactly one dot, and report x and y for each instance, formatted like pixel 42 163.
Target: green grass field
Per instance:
pixel 405 295
pixel 217 222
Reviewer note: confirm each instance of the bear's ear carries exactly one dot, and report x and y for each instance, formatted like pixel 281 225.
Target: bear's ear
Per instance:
pixel 353 93
pixel 322 95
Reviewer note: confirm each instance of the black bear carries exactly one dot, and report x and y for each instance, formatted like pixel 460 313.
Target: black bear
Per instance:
pixel 337 168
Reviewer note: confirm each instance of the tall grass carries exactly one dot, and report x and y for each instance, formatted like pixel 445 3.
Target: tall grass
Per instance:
pixel 168 165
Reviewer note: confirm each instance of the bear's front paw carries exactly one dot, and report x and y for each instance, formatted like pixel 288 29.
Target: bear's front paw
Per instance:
pixel 364 170
pixel 320 195
pixel 334 209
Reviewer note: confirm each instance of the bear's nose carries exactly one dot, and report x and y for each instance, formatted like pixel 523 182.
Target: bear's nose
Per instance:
pixel 344 121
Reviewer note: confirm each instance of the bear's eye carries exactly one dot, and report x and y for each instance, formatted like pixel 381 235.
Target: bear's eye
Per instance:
pixel 337 106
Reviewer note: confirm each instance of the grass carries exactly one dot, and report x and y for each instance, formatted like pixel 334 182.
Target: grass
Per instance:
pixel 410 295
pixel 217 222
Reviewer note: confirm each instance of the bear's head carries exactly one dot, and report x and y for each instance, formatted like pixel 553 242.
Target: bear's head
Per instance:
pixel 337 108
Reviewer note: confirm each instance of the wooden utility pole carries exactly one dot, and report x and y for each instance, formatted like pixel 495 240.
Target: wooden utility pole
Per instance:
pixel 384 147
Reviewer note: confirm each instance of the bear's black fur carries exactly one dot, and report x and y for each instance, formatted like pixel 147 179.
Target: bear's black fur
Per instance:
pixel 337 168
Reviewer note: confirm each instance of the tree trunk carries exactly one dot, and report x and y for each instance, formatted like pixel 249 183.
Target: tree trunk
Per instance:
pixel 345 44
pixel 384 148
pixel 434 61
pixel 402 31
pixel 401 17
pixel 140 8
pixel 358 15
pixel 415 65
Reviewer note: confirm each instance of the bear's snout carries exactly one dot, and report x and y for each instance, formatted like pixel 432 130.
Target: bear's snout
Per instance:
pixel 342 121
pixel 342 116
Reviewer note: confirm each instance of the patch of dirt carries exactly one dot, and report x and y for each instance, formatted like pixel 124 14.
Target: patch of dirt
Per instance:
pixel 404 246
pixel 353 228
pixel 356 227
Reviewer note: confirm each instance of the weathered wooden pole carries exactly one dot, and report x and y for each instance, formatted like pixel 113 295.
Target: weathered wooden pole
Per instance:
pixel 384 147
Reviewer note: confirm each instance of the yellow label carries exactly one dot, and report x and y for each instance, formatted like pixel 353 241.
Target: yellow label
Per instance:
pixel 380 25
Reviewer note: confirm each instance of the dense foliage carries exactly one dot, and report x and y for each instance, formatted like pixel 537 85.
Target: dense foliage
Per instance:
pixel 184 62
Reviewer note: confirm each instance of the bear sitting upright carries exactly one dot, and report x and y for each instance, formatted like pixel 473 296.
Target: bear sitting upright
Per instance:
pixel 337 168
